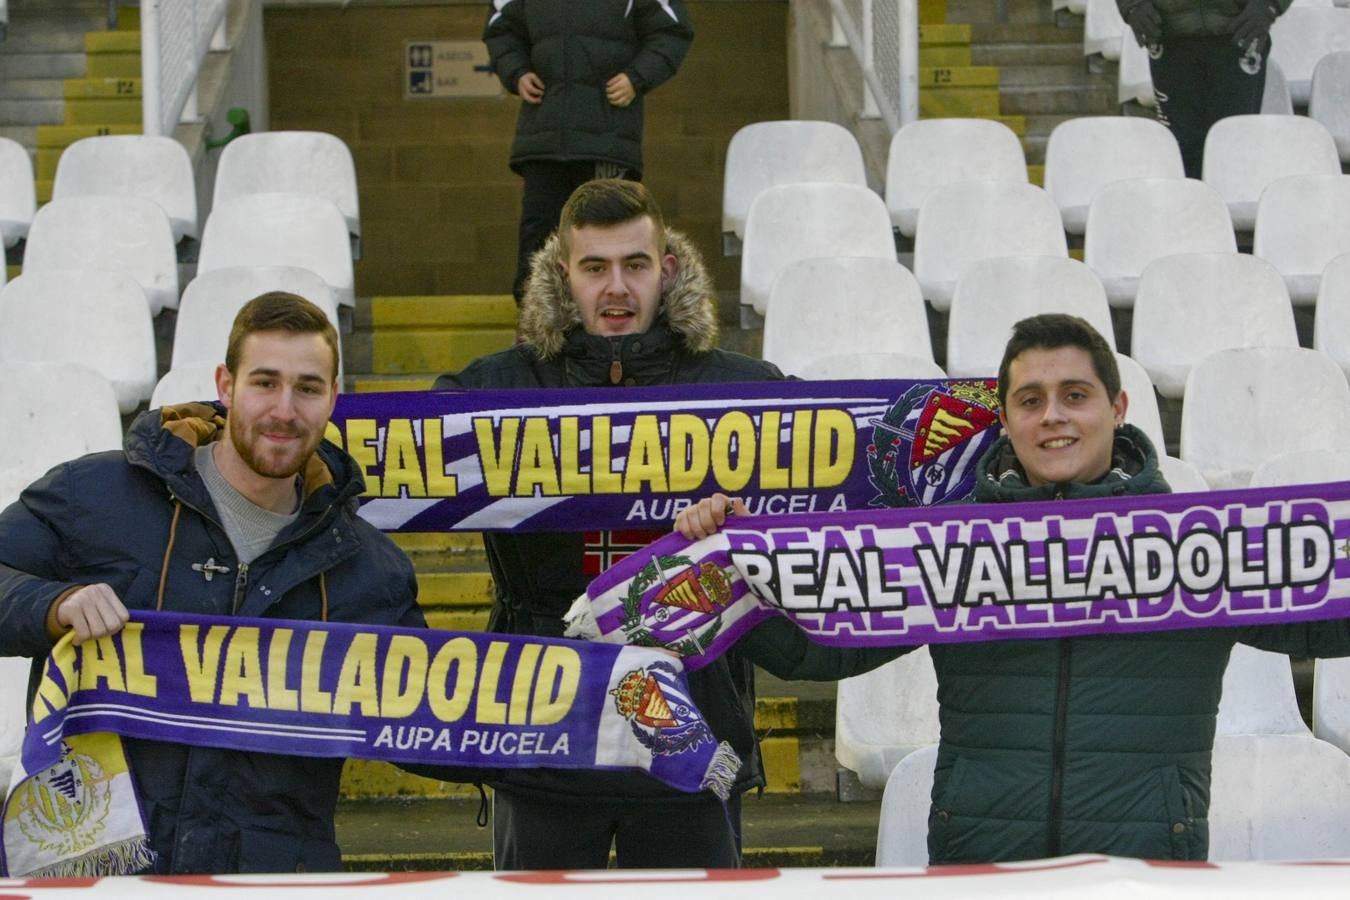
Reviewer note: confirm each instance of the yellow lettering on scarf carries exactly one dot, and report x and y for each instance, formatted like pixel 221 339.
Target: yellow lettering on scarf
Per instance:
pixel 361 438
pixel 242 673
pixel 537 465
pixel 738 428
pixel 520 684
pixel 574 481
pixel 834 431
pixel 497 458
pixel 138 681
pixel 279 695
pixel 439 484
pixel 53 696
pixel 402 467
pixel 772 476
pixel 555 688
pixel 401 698
pixel 312 699
pixel 201 666
pixel 356 681
pixel 603 476
pixel 801 448
pixel 689 443
pixel 646 458
pixel 462 653
pixel 490 710
pixel 99 662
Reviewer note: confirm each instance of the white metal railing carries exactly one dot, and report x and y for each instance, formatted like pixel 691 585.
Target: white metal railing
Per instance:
pixel 175 38
pixel 884 38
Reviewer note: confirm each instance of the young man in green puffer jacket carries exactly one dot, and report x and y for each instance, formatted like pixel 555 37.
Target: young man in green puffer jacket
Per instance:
pixel 1208 61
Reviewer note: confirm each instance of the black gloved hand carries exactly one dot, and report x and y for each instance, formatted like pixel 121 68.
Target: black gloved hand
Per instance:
pixel 1252 25
pixel 1145 22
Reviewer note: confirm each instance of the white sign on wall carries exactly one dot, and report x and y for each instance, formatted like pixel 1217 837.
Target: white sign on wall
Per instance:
pixel 447 69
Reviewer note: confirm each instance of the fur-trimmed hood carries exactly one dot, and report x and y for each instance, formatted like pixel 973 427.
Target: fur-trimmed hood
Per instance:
pixel 548 312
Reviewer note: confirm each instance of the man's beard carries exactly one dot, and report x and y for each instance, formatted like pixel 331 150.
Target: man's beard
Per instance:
pixel 246 446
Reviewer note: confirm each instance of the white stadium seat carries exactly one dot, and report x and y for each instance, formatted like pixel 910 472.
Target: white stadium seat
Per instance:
pixel 1303 467
pixel 1302 224
pixel 767 154
pixel 132 165
pixel 800 221
pixel 1181 476
pixel 1331 701
pixel 929 153
pixel 1258 695
pixel 212 300
pixel 1299 40
pixel 1330 99
pixel 1191 304
pixel 112 234
pixel 1331 320
pixel 18 194
pixel 902 832
pixel 969 221
pixel 51 412
pixel 300 162
pixel 1104 29
pixel 1245 406
pixel 1086 153
pixel 821 307
pixel 14 672
pixel 1244 154
pixel 1131 223
pixel 1276 101
pixel 302 230
pixel 843 366
pixel 994 294
pixel 93 318
pixel 1142 411
pixel 1134 78
pixel 189 383
pixel 884 715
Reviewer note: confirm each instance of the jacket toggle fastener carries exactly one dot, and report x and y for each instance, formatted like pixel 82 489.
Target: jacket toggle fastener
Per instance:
pixel 210 568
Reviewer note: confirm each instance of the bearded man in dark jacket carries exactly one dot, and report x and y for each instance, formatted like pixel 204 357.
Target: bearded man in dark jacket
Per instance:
pixel 615 299
pixel 236 508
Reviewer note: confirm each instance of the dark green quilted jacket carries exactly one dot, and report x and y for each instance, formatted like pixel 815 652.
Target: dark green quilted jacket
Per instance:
pixel 1091 744
pixel 1193 18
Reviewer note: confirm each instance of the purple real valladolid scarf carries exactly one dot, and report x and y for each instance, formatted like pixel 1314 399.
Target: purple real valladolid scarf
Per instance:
pixel 984 572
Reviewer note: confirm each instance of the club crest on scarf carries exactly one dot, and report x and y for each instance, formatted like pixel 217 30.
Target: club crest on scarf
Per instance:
pixel 662 717
pixel 684 614
pixel 923 451
pixel 62 809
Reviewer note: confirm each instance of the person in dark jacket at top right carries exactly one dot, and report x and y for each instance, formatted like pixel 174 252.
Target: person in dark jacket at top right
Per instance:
pixel 1096 744
pixel 582 68
pixel 1208 61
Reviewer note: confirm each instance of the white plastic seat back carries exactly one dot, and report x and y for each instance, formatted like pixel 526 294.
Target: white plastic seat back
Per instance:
pixel 766 154
pixel 18 193
pixel 1302 224
pixel 843 366
pixel 1193 304
pixel 213 299
pixel 1331 701
pixel 1243 154
pixel 132 165
pixel 1300 38
pixel 1331 319
pixel 1134 78
pixel 14 671
pixel 928 153
pixel 92 318
pixel 1278 796
pixel 1303 467
pixel 1245 406
pixel 1330 100
pixel 187 383
pixel 301 162
pixel 994 294
pixel 1275 100
pixel 821 307
pixel 1087 153
pixel 902 832
pixel 800 221
pixel 962 223
pixel 111 234
pixel 51 412
pixel 1104 29
pixel 884 715
pixel 1258 695
pixel 301 230
pixel 1142 411
pixel 1181 476
pixel 1131 223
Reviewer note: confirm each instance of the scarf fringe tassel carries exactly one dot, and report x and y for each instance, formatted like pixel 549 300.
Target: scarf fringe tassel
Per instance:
pixel 122 858
pixel 721 774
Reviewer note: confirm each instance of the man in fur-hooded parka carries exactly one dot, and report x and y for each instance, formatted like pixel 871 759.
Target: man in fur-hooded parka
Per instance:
pixel 617 300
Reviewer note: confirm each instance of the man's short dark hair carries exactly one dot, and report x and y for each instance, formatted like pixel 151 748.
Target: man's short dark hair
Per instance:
pixel 610 201
pixel 279 311
pixel 1050 331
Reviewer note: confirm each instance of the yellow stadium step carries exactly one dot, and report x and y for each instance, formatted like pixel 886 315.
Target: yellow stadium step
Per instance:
pixel 944 35
pixel 1036 174
pixel 454 590
pixel 945 77
pixel 932 11
pixel 376 384
pixel 447 620
pixel 368 779
pixel 113 54
pixel 438 334
pixel 954 55
pixel 959 103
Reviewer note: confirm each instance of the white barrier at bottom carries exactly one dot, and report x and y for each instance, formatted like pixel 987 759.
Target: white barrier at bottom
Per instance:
pixel 1073 876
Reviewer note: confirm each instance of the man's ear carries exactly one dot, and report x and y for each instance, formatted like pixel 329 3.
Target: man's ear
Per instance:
pixel 670 267
pixel 1121 403
pixel 224 384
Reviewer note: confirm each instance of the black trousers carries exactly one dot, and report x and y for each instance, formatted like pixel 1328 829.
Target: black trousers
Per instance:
pixel 529 832
pixel 1200 80
pixel 547 187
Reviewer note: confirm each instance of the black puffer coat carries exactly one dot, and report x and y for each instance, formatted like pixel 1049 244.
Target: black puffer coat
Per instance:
pixel 575 47
pixel 106 518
